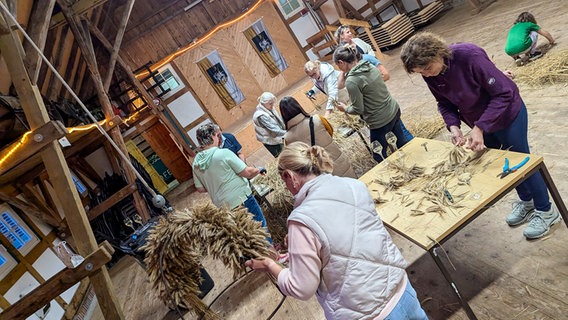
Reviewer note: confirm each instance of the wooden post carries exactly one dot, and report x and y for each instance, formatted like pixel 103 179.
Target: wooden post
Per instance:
pixel 83 39
pixel 339 8
pixel 352 9
pixel 117 43
pixel 155 109
pixel 32 103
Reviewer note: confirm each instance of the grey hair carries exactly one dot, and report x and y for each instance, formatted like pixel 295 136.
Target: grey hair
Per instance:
pixel 311 66
pixel 205 134
pixel 266 97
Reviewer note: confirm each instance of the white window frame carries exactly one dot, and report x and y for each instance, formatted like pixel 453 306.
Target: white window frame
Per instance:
pixel 289 15
pixel 176 77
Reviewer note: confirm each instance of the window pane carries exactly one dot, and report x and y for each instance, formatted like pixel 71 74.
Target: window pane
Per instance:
pixel 19 235
pixel 295 4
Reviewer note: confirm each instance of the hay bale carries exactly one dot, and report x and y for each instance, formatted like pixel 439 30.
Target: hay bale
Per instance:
pixel 551 69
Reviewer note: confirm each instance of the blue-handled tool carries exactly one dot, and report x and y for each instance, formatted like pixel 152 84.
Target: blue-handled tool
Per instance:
pixel 507 170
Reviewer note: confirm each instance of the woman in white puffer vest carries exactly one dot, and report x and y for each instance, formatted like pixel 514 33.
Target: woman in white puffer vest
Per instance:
pixel 338 247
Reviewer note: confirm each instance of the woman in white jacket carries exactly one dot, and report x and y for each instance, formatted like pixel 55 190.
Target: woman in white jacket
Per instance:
pixel 337 245
pixel 324 76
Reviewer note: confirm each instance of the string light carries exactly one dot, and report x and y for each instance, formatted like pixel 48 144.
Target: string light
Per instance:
pixel 20 143
pixel 195 43
pixel 15 147
pixel 85 127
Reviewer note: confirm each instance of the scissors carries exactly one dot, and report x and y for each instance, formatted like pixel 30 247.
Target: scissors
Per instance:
pixel 507 170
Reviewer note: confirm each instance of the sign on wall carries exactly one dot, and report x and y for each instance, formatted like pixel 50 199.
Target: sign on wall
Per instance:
pixel 221 79
pixel 265 47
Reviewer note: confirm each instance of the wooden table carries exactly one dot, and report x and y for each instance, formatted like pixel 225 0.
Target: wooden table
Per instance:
pixel 408 211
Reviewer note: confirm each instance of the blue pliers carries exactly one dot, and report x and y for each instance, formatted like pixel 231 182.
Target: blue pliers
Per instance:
pixel 507 170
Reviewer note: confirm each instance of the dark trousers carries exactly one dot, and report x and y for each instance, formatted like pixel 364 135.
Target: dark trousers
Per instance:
pixel 274 149
pixel 515 138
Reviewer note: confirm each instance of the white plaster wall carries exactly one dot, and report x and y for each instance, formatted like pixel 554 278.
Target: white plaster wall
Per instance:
pixel 47 265
pixel 185 109
pixel 25 284
pixel 303 28
pixel 100 162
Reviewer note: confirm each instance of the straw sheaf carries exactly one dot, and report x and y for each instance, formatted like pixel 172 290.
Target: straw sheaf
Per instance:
pixel 176 245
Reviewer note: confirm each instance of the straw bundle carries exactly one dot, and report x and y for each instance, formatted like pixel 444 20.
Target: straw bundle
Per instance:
pixel 357 153
pixel 343 120
pixel 551 69
pixel 175 247
pixel 422 127
pixel 281 201
pixel 353 147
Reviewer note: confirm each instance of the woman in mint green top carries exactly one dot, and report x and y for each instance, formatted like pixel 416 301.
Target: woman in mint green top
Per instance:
pixel 523 38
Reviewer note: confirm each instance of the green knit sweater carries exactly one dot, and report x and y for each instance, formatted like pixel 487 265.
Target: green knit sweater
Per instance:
pixel 369 95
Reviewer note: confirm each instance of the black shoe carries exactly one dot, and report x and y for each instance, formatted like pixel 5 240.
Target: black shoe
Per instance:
pixel 535 55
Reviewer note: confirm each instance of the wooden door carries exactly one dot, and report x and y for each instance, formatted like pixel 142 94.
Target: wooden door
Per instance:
pixel 165 147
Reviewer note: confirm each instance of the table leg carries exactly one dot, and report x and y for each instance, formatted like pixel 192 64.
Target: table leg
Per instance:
pixel 554 192
pixel 451 282
pixel 364 141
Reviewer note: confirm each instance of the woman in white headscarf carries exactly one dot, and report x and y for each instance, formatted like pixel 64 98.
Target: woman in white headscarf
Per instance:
pixel 268 124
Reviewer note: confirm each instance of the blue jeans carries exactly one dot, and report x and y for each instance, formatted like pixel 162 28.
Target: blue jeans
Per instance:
pixel 408 307
pixel 515 138
pixel 253 208
pixel 405 131
pixel 395 126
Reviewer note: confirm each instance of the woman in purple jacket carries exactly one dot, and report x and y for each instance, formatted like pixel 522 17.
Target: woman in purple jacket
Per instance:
pixel 468 87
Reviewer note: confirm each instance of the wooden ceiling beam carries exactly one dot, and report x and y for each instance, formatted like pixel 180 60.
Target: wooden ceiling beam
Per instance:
pixel 30 144
pixel 37 30
pixel 339 8
pixel 352 9
pixel 317 4
pixel 32 211
pixel 80 7
pixel 83 39
pixel 117 43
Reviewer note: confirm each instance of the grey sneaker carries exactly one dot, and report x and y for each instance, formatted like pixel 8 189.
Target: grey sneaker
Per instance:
pixel 541 222
pixel 522 211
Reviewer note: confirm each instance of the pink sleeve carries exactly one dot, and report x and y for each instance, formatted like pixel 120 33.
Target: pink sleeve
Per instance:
pixel 302 277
